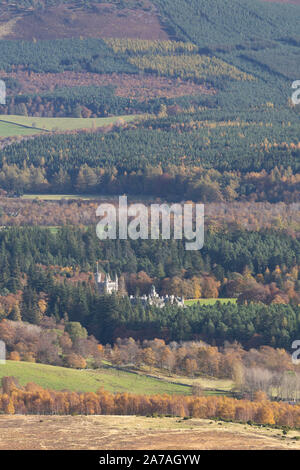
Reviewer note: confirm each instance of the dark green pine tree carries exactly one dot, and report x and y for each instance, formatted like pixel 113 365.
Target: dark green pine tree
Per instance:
pixel 106 318
pixel 30 309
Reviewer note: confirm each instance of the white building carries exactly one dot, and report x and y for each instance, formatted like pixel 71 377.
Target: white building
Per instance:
pixel 154 299
pixel 105 284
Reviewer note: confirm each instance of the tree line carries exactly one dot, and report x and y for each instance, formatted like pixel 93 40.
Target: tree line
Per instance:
pixel 33 399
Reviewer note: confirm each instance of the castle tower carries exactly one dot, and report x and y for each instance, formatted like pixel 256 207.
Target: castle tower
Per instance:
pixel 105 283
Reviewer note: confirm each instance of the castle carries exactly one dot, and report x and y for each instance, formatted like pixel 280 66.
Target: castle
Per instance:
pixel 154 299
pixel 105 284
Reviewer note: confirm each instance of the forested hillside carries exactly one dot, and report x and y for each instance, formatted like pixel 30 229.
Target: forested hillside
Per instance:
pixel 51 274
pixel 233 112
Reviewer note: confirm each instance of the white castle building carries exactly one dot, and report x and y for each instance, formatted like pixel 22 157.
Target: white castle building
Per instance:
pixel 154 299
pixel 105 284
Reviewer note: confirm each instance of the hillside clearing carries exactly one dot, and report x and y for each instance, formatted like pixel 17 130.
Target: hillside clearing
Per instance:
pixel 33 124
pixel 9 129
pixel 112 379
pixel 60 378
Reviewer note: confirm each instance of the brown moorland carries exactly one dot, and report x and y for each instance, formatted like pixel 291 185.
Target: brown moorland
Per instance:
pixel 132 432
pixel 67 21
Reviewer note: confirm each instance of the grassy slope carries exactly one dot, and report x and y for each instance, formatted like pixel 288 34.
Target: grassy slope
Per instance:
pixel 210 385
pixel 59 378
pixel 8 128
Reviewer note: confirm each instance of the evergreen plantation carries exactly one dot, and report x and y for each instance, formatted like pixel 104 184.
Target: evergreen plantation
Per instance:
pixel 34 252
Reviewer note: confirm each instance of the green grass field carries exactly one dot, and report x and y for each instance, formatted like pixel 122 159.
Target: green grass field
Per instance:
pixel 34 125
pixel 11 130
pixel 60 378
pixel 210 301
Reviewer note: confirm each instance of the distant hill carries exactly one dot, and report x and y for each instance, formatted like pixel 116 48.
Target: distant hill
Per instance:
pixel 58 19
pixel 68 19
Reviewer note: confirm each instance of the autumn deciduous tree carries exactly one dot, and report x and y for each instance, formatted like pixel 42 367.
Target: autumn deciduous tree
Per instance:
pixel 8 406
pixel 168 359
pixel 191 367
pixel 29 357
pixel 265 414
pixel 260 396
pixel 14 356
pixel 210 287
pixel 75 361
pixel 149 357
